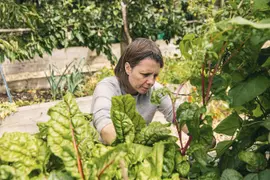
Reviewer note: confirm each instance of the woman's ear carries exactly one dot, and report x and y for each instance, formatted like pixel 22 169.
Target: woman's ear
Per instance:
pixel 127 68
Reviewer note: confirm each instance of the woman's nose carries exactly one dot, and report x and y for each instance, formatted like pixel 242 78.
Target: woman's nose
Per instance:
pixel 151 80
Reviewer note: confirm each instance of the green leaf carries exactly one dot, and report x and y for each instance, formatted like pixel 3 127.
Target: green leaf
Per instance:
pixel 266 123
pixel 168 160
pixel 108 162
pixel 9 172
pixel 152 166
pixel 206 135
pixel 126 104
pixel 251 176
pixel 248 90
pixel 222 147
pixel 230 174
pixel 267 63
pixel 183 168
pixel 262 5
pixel 153 133
pixel 256 161
pixel 58 175
pixel 242 21
pixel 157 95
pixel 22 150
pixel 124 127
pixel 229 125
pixel 68 128
pixel 138 153
pixel 212 175
pixel 264 175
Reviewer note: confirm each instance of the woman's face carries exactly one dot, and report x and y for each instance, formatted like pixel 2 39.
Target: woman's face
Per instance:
pixel 143 76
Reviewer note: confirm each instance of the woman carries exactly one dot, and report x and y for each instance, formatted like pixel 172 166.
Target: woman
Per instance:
pixel 135 74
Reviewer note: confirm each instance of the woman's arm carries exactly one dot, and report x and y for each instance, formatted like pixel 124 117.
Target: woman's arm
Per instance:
pixel 108 134
pixel 101 106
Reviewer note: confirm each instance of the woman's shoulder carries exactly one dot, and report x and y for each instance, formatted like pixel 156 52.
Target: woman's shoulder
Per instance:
pixel 109 80
pixel 157 86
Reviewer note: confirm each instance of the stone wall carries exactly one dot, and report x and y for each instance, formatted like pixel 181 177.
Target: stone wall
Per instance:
pixel 30 74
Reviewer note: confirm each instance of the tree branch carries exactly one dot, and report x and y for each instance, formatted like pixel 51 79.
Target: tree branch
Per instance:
pixel 124 16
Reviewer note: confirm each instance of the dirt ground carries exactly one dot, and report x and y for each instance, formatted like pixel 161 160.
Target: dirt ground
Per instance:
pixel 34 96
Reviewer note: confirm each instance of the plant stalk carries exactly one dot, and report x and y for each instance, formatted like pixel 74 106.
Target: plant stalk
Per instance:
pixel 79 162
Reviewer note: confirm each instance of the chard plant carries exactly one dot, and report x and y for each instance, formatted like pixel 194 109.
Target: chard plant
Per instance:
pixel 67 147
pixel 227 61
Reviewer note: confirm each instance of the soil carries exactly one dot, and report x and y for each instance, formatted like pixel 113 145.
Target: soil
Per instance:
pixel 28 96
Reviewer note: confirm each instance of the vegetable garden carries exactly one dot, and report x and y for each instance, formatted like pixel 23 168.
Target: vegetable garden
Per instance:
pixel 224 57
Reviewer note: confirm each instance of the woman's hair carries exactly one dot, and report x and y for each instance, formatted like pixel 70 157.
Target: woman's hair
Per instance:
pixel 136 51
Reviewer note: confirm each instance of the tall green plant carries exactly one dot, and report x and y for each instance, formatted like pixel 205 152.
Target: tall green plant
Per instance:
pixel 227 63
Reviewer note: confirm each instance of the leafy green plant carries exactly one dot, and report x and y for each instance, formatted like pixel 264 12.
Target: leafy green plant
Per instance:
pixel 74 78
pixel 228 64
pixel 6 109
pixel 67 147
pixel 56 83
pixel 90 82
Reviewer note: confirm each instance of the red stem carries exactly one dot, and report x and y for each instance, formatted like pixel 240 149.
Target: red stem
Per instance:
pixel 102 171
pixel 79 162
pixel 236 51
pixel 203 93
pixel 174 116
pixel 186 146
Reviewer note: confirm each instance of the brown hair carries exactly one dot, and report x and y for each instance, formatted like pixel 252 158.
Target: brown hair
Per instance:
pixel 136 51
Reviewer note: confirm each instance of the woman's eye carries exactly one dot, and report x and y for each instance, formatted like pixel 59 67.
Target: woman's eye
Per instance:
pixel 146 75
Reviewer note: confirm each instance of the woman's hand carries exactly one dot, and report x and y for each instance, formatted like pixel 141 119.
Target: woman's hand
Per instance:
pixel 108 134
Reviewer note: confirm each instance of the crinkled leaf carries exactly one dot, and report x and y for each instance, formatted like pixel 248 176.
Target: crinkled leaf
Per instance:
pixel 138 153
pixel 210 176
pixel 59 175
pixel 124 127
pixel 183 168
pixel 248 90
pixel 100 150
pixel 222 147
pixel 23 150
pixel 252 176
pixel 157 95
pixel 264 175
pixel 168 160
pixel 43 130
pixel 256 161
pixel 230 174
pixel 189 114
pixel 67 120
pixel 229 125
pixel 206 135
pixel 154 132
pixel 127 105
pixel 151 168
pixel 199 152
pixel 107 164
pixel 9 172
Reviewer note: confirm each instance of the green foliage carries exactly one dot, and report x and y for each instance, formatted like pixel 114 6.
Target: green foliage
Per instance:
pixel 227 63
pixel 69 80
pixel 67 147
pixel 6 109
pixel 60 24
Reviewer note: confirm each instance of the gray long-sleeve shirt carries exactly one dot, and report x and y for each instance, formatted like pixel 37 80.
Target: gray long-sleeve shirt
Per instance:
pixel 109 87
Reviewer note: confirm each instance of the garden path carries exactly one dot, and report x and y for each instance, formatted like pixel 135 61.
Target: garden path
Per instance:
pixel 26 118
